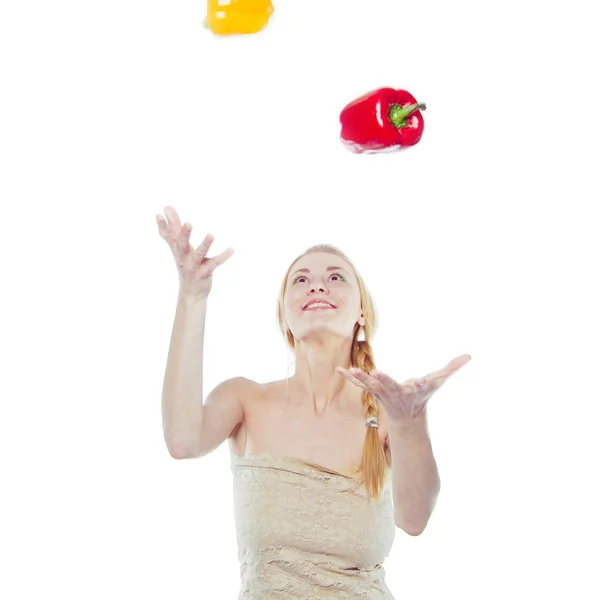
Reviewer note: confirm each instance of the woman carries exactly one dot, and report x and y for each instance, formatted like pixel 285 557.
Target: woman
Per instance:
pixel 312 491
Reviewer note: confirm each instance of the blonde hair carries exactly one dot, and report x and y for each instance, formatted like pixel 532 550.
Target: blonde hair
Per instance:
pixel 373 469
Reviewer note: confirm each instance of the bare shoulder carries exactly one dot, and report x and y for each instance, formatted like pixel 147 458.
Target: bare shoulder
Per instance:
pixel 236 386
pixel 236 395
pixel 261 416
pixel 224 413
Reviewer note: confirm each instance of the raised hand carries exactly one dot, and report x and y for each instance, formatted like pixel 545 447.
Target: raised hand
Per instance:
pixel 194 268
pixel 407 400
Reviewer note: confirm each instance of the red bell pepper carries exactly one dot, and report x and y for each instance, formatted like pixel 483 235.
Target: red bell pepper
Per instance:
pixel 384 120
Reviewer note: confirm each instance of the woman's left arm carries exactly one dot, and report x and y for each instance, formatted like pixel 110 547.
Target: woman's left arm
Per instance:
pixel 415 477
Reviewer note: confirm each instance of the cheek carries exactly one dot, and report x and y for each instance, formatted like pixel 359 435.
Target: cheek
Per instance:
pixel 289 301
pixel 292 295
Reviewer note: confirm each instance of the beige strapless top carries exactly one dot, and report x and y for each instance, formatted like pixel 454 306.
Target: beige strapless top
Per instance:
pixel 305 532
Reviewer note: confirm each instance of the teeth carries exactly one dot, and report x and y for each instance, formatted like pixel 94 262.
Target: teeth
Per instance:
pixel 319 304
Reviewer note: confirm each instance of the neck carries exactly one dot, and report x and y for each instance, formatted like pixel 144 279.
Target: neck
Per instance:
pixel 315 381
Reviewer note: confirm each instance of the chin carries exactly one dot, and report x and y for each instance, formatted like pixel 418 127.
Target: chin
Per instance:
pixel 319 333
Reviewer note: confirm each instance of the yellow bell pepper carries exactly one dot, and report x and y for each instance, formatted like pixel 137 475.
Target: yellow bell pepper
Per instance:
pixel 230 17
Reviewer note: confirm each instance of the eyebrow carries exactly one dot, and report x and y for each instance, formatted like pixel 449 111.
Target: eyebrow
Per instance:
pixel 328 269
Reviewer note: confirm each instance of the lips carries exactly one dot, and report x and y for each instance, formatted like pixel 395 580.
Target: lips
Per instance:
pixel 310 304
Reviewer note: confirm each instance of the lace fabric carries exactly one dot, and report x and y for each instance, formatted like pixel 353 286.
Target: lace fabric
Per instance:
pixel 307 532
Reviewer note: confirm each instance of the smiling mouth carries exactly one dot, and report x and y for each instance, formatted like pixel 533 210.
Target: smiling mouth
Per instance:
pixel 319 306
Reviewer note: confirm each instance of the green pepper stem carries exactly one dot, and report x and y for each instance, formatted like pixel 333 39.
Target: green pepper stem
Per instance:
pixel 398 114
pixel 205 23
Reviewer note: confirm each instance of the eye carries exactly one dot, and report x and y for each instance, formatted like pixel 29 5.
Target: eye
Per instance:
pixel 297 279
pixel 339 276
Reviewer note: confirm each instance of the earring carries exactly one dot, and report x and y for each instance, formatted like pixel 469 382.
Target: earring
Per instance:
pixel 361 334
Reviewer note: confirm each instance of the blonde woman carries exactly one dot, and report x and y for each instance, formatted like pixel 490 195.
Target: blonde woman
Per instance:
pixel 317 458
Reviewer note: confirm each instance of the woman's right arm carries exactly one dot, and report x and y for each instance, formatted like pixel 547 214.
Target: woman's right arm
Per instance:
pixel 192 428
pixel 188 431
pixel 182 398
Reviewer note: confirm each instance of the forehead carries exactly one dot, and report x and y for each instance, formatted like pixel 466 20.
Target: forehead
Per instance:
pixel 320 262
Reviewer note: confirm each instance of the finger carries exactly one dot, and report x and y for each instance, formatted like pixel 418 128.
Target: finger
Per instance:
pixel 173 218
pixel 390 385
pixel 434 381
pixel 348 375
pixel 458 362
pixel 217 261
pixel 370 382
pixel 452 366
pixel 438 378
pixel 202 250
pixel 386 380
pixel 357 382
pixel 208 265
pixel 183 239
pixel 163 227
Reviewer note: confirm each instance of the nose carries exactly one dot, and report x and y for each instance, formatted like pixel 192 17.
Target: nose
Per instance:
pixel 317 287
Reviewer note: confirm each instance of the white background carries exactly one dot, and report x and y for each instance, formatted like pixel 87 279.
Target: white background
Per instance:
pixel 480 239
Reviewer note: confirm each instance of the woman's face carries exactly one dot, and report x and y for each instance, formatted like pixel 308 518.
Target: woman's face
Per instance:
pixel 324 277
